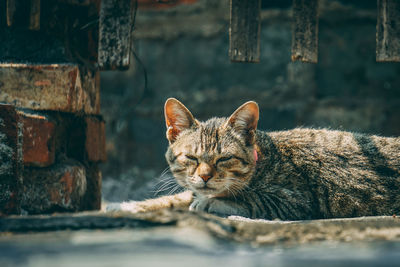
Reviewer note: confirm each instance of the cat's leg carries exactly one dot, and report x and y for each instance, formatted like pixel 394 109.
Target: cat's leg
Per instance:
pixel 181 201
pixel 219 206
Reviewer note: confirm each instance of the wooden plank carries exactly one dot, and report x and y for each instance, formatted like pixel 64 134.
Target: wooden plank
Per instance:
pixel 115 34
pixel 34 16
pixel 11 8
pixel 244 31
pixel 305 31
pixel 388 31
pixel 23 14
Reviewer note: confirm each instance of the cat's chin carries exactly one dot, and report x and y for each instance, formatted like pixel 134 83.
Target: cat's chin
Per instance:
pixel 210 192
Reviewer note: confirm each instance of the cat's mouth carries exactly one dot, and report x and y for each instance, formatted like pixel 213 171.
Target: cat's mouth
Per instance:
pixel 206 189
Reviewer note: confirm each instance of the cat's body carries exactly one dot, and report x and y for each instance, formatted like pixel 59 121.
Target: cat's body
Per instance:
pixel 234 169
pixel 310 174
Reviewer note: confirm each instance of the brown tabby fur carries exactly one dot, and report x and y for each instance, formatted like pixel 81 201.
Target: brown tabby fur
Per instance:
pixel 299 174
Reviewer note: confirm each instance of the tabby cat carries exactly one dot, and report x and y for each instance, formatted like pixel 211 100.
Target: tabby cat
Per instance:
pixel 234 169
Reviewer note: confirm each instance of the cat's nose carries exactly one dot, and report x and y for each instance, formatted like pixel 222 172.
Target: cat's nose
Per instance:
pixel 205 171
pixel 205 177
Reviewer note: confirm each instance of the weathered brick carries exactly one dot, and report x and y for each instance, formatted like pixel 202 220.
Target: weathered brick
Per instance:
pixel 38 139
pixel 58 188
pixel 10 160
pixel 59 87
pixel 92 200
pixel 33 178
pixel 95 144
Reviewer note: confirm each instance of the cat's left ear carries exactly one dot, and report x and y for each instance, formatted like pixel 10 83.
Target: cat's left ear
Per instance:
pixel 244 121
pixel 177 118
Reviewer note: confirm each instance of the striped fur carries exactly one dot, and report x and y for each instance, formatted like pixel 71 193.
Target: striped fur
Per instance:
pixel 299 174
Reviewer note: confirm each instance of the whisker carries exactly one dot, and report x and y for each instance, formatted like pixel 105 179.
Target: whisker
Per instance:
pixel 166 185
pixel 176 188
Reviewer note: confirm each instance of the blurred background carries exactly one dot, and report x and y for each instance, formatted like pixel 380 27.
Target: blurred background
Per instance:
pixel 181 50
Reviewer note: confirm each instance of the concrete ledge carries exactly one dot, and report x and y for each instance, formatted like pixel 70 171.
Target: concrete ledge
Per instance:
pixel 238 229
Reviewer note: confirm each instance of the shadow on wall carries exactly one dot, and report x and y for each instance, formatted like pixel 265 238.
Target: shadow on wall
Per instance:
pixel 185 53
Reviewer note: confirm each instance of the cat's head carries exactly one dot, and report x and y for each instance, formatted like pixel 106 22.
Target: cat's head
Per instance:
pixel 216 157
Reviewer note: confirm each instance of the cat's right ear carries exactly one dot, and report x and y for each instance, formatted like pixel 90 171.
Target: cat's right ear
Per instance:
pixel 177 118
pixel 244 121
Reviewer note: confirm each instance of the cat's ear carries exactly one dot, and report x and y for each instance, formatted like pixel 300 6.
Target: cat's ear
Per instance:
pixel 177 118
pixel 244 120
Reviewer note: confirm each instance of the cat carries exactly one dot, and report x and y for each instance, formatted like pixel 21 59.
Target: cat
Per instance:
pixel 231 168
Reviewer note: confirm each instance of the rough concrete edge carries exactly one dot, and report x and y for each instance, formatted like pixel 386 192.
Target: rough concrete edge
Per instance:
pixel 237 229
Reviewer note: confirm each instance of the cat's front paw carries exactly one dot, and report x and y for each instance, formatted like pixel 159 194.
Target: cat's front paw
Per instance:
pixel 220 207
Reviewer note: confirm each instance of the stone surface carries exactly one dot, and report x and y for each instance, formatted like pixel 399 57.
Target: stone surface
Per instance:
pixel 177 238
pixel 58 87
pixel 60 187
pixel 165 246
pixel 233 228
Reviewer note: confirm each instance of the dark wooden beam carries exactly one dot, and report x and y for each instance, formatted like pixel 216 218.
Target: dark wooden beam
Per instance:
pixel 244 31
pixel 115 34
pixel 11 8
pixel 34 18
pixel 388 31
pixel 23 14
pixel 76 2
pixel 3 13
pixel 305 31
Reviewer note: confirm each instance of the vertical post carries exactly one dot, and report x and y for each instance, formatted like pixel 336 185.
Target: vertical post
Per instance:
pixel 388 31
pixel 305 31
pixel 3 13
pixel 244 31
pixel 34 15
pixel 115 34
pixel 11 7
pixel 23 14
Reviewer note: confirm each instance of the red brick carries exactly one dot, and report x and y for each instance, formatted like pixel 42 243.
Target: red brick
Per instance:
pixel 95 144
pixel 61 187
pixel 93 193
pixel 38 140
pixel 31 179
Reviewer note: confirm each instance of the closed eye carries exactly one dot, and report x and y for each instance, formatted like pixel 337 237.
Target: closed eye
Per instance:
pixel 224 159
pixel 190 157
